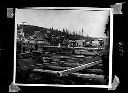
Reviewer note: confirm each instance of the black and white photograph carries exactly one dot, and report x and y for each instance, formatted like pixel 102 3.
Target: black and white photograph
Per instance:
pixel 63 47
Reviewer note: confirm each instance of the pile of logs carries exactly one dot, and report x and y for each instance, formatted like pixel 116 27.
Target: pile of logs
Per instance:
pixel 66 69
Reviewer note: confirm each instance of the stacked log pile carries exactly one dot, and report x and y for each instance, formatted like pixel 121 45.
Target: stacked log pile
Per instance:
pixel 65 70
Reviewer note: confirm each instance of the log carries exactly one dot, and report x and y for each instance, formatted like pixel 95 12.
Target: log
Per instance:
pixel 47 71
pixel 71 64
pixel 78 68
pixel 98 66
pixel 57 68
pixel 96 71
pixel 90 77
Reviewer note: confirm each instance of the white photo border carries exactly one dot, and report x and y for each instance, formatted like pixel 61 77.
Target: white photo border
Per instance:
pixel 57 85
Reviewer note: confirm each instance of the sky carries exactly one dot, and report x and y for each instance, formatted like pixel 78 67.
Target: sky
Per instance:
pixel 92 22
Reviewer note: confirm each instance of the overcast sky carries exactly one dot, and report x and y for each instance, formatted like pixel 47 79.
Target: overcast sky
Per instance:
pixel 92 22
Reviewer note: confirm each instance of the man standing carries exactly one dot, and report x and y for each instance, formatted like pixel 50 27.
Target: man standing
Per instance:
pixel 19 47
pixel 36 47
pixel 31 48
pixel 74 44
pixel 23 47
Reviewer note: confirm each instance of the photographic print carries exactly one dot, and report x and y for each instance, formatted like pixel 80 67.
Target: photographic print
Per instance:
pixel 63 47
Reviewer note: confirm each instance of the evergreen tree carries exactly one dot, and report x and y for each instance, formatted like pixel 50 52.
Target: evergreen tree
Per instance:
pixel 107 32
pixel 82 31
pixel 73 32
pixel 63 30
pixel 67 31
pixel 79 32
pixel 52 28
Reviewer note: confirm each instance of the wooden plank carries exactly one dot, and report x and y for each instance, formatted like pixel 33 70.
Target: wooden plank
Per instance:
pixel 81 67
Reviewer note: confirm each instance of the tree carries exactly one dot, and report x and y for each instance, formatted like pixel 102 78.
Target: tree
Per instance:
pixel 67 31
pixel 63 30
pixel 79 32
pixel 107 32
pixel 82 31
pixel 52 28
pixel 73 32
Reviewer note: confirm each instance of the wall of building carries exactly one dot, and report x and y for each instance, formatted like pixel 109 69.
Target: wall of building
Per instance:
pixel 78 43
pixel 95 43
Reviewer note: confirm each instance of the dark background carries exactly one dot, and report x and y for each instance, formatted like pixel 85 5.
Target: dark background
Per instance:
pixel 120 36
